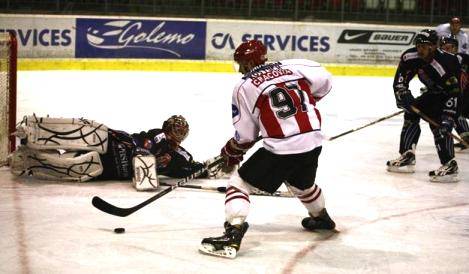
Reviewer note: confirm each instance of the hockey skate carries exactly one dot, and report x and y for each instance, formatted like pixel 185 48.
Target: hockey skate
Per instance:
pixel 447 173
pixel 227 245
pixel 404 164
pixel 323 221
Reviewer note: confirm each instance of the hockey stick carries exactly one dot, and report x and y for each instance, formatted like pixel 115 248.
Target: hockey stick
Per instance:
pixel 367 125
pixel 222 189
pixel 430 121
pixel 123 212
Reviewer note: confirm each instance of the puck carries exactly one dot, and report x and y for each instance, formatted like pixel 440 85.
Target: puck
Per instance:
pixel 119 230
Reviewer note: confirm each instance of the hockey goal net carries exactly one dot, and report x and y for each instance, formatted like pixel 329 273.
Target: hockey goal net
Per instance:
pixel 8 57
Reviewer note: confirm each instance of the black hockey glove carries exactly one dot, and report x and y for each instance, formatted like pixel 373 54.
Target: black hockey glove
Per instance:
pixel 404 98
pixel 447 124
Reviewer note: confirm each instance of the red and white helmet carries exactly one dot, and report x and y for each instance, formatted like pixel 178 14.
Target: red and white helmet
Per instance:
pixel 251 51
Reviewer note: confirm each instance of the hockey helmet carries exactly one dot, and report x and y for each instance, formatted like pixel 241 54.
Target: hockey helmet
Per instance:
pixel 449 39
pixel 426 36
pixel 176 127
pixel 251 51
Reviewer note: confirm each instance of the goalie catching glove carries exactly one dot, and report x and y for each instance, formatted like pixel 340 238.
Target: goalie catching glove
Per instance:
pixel 233 153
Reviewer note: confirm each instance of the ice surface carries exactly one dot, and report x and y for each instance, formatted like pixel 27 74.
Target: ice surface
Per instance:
pixel 388 223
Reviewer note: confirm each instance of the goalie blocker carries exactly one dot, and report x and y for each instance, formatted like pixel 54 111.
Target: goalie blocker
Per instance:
pixel 145 174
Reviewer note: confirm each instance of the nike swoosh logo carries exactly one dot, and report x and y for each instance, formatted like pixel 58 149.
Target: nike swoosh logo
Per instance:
pixel 351 37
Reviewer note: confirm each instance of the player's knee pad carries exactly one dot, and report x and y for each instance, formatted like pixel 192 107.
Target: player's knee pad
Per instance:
pixel 51 165
pixel 411 127
pixel 43 133
pixel 237 199
pixel 145 174
pixel 311 198
pixel 410 134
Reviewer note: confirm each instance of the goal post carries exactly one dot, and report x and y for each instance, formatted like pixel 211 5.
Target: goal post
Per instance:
pixel 8 69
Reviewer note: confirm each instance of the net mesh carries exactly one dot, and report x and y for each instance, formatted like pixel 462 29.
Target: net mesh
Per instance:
pixel 5 95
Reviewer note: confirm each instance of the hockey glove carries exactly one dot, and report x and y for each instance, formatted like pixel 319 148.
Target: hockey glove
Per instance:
pixel 447 124
pixel 404 98
pixel 233 153
pixel 163 160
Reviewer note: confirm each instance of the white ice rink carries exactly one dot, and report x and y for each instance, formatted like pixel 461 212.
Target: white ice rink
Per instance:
pixel 387 223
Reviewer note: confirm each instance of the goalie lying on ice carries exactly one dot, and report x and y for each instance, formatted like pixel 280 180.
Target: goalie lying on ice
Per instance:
pixel 80 150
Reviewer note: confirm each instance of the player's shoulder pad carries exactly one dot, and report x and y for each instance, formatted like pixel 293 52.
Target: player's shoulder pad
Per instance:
pixel 449 56
pixel 301 62
pixel 410 54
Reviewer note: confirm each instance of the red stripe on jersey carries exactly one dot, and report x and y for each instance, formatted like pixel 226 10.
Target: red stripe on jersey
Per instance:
pixel 268 119
pixel 301 116
pixel 305 87
pixel 318 114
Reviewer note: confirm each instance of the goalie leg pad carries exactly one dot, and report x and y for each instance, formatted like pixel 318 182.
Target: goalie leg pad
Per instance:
pixel 43 133
pixel 145 174
pixel 50 165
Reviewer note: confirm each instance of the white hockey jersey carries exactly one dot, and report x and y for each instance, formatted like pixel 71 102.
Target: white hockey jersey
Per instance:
pixel 463 38
pixel 279 101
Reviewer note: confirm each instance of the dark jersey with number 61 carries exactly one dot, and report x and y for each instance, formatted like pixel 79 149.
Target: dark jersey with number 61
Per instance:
pixel 440 76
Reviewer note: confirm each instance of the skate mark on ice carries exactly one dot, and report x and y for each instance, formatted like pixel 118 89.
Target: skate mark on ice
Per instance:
pixel 22 247
pixel 290 265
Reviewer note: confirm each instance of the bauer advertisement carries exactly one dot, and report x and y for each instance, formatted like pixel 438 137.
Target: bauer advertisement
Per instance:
pixel 327 43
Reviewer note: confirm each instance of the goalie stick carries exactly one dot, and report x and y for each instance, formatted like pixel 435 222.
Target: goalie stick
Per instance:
pixel 222 189
pixel 123 212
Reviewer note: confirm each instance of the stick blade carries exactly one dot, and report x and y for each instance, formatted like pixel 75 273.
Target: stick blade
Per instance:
pixel 108 208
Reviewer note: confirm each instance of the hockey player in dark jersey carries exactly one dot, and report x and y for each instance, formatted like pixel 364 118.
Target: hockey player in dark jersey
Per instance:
pixel 450 44
pixel 440 72
pixel 165 144
pixel 81 150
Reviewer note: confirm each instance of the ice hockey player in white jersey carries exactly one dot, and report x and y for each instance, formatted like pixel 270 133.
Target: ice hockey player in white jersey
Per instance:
pixel 277 101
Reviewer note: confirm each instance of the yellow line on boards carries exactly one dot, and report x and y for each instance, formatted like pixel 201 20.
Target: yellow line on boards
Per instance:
pixel 180 66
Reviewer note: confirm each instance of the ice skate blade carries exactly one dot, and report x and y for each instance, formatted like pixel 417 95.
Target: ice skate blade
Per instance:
pixel 226 252
pixel 444 179
pixel 402 169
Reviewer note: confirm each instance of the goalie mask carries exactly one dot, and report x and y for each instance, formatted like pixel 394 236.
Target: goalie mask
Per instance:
pixel 251 51
pixel 176 127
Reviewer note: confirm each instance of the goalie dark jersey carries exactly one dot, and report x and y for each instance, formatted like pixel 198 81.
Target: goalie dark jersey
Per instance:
pixel 122 146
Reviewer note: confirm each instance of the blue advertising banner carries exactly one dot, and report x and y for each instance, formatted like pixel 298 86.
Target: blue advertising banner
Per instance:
pixel 130 38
